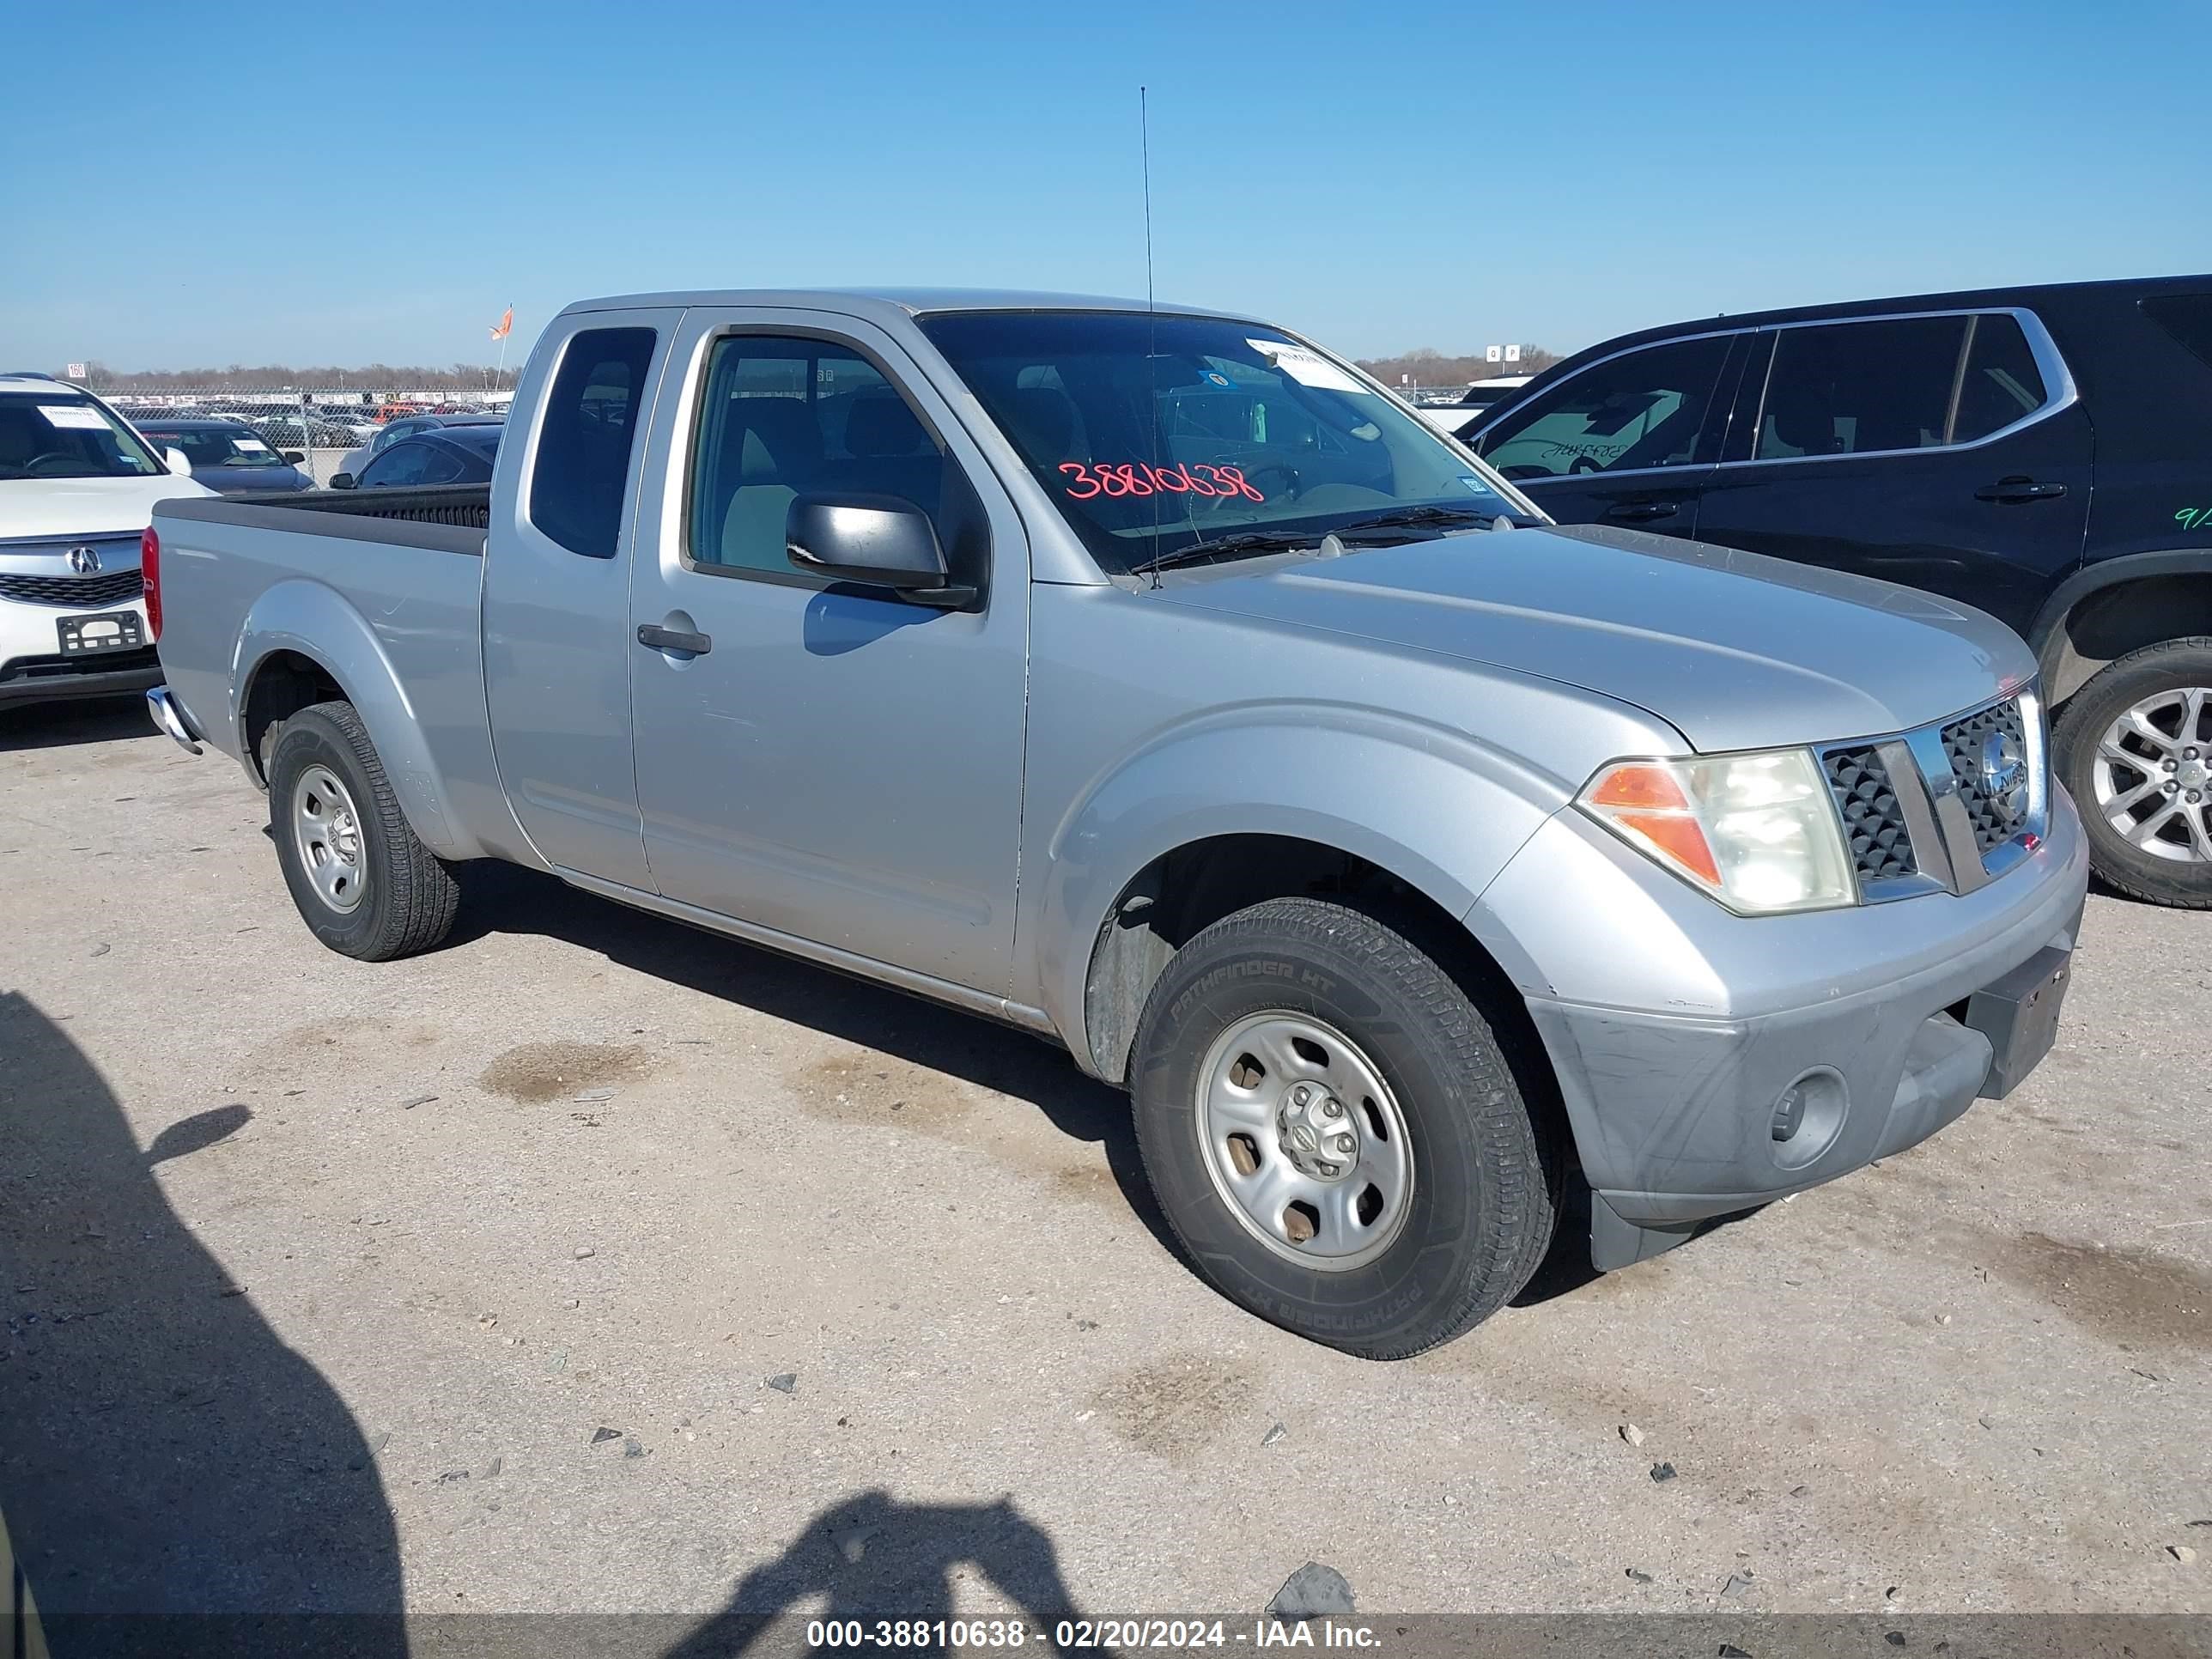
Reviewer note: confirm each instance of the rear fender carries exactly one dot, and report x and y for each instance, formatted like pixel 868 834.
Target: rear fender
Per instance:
pixel 320 624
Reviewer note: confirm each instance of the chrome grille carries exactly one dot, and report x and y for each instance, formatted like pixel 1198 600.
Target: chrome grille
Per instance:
pixel 109 587
pixel 1946 807
pixel 1873 824
pixel 1997 818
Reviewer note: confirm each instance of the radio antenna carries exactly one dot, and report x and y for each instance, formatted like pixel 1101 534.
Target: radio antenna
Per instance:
pixel 1144 150
pixel 1152 315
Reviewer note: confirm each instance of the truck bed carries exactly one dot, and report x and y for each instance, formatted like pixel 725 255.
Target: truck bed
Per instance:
pixel 381 590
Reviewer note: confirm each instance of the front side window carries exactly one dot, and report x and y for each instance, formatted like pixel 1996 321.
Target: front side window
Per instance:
pixel 58 434
pixel 786 417
pixel 1850 388
pixel 1157 436
pixel 593 408
pixel 1643 409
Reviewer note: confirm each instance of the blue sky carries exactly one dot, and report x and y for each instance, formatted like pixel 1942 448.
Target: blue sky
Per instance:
pixel 187 185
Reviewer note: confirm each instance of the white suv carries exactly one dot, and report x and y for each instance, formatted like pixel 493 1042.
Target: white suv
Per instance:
pixel 77 489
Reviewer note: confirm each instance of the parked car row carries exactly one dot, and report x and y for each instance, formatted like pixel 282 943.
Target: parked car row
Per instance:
pixel 1458 414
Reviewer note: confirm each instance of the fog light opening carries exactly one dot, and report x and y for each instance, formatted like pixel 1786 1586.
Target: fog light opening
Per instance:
pixel 1807 1117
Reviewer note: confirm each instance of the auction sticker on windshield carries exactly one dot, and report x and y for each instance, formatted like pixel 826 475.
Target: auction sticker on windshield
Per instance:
pixel 1306 367
pixel 82 416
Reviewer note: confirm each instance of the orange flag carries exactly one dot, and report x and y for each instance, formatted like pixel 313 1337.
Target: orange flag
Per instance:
pixel 505 325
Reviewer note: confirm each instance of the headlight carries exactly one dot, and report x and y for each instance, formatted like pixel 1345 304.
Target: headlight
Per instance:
pixel 1757 831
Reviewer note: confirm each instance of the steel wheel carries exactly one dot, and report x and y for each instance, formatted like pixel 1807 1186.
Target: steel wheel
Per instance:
pixel 1304 1141
pixel 2152 777
pixel 326 829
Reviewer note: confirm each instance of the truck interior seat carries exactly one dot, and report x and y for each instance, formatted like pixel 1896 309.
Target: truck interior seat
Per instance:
pixel 771 451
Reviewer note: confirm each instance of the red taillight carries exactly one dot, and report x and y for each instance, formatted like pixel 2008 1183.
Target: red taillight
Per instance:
pixel 149 565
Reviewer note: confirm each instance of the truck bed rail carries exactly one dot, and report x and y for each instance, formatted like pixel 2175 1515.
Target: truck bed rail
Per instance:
pixel 451 518
pixel 466 507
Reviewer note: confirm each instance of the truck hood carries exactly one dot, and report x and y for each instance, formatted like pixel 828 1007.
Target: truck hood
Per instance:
pixel 1734 650
pixel 46 508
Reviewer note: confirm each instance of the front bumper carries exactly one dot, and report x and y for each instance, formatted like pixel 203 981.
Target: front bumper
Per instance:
pixel 1871 1012
pixel 49 679
pixel 33 668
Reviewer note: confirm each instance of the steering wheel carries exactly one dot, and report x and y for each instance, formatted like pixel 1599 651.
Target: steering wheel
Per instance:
pixel 32 467
pixel 1584 463
pixel 1282 469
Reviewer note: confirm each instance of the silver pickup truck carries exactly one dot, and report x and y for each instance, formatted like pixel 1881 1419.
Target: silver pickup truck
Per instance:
pixel 1158 683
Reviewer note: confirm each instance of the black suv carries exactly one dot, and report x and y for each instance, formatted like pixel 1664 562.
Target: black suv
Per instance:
pixel 2043 453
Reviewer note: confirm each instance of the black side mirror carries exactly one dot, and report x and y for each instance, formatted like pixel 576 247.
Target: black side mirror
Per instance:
pixel 293 457
pixel 341 481
pixel 880 540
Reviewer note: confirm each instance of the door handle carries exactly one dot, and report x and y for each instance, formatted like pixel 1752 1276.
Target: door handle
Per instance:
pixel 1640 512
pixel 2018 490
pixel 673 639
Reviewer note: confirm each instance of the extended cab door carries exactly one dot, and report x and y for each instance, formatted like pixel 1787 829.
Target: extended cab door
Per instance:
pixel 823 759
pixel 1628 440
pixel 1945 451
pixel 556 629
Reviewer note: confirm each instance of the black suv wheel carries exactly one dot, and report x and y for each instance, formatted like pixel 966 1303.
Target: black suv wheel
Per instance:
pixel 2134 749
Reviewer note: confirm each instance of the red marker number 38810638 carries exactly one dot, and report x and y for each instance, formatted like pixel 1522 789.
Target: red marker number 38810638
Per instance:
pixel 1087 479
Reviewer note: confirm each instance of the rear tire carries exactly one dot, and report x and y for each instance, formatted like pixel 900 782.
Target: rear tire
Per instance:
pixel 1365 1086
pixel 2141 724
pixel 365 886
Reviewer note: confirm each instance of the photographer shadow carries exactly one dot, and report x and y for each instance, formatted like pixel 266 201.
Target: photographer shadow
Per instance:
pixel 879 1559
pixel 176 1480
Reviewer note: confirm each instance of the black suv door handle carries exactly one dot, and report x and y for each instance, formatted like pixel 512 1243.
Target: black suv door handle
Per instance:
pixel 673 639
pixel 1639 512
pixel 2018 490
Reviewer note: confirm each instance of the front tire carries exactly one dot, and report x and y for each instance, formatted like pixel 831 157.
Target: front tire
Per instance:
pixel 365 886
pixel 2134 749
pixel 1335 1132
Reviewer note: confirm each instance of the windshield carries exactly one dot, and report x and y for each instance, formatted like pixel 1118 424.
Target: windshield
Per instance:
pixel 1157 433
pixel 57 434
pixel 218 445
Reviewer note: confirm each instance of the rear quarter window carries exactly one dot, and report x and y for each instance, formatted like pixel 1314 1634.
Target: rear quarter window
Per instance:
pixel 579 478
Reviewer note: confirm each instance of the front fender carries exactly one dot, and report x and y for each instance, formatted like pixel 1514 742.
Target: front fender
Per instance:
pixel 318 623
pixel 1438 811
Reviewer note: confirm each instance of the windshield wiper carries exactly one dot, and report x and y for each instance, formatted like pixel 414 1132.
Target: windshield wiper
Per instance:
pixel 1251 541
pixel 1408 517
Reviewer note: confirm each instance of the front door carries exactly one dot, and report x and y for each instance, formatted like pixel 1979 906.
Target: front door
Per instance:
pixel 821 759
pixel 1627 442
pixel 1944 452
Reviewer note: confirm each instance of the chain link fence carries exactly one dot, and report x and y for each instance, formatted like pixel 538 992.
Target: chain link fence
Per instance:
pixel 322 427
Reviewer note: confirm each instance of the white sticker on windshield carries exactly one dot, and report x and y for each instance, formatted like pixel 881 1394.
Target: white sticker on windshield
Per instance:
pixel 251 445
pixel 1306 367
pixel 82 418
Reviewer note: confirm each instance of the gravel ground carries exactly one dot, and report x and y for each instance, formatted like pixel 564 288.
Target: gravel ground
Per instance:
pixel 592 1264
